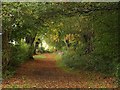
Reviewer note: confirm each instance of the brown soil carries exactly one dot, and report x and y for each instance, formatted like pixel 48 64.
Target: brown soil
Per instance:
pixel 46 74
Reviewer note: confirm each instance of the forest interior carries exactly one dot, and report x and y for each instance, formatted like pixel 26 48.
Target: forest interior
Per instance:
pixel 60 45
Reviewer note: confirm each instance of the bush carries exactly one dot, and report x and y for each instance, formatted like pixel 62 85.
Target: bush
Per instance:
pixel 104 64
pixel 9 72
pixel 118 74
pixel 73 60
pixel 104 57
pixel 19 54
pixel 96 62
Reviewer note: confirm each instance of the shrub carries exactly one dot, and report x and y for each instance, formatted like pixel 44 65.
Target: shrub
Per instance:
pixel 19 54
pixel 118 74
pixel 104 64
pixel 96 62
pixel 73 60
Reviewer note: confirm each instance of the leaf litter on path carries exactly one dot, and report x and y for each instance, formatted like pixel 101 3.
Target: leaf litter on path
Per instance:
pixel 44 73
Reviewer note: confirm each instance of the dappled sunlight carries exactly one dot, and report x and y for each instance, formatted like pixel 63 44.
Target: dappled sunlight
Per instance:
pixel 60 45
pixel 45 45
pixel 39 57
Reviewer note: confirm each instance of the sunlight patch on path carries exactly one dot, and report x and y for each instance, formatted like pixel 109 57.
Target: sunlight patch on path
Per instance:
pixel 39 57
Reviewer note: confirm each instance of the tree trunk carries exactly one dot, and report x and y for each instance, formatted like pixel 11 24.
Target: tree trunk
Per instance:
pixel 88 40
pixel 6 50
pixel 30 40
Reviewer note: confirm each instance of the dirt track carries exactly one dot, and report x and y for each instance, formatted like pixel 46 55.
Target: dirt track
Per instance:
pixel 46 74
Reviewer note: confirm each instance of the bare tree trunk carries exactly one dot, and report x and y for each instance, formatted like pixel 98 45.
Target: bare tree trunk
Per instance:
pixel 30 40
pixel 89 44
pixel 6 50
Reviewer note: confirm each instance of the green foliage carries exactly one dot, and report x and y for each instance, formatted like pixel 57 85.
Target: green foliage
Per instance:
pixel 104 64
pixel 30 51
pixel 53 21
pixel 19 54
pixel 104 57
pixel 9 72
pixel 96 62
pixel 69 59
pixel 118 74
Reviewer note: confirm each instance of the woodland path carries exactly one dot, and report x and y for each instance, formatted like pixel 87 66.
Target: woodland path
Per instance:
pixel 45 73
